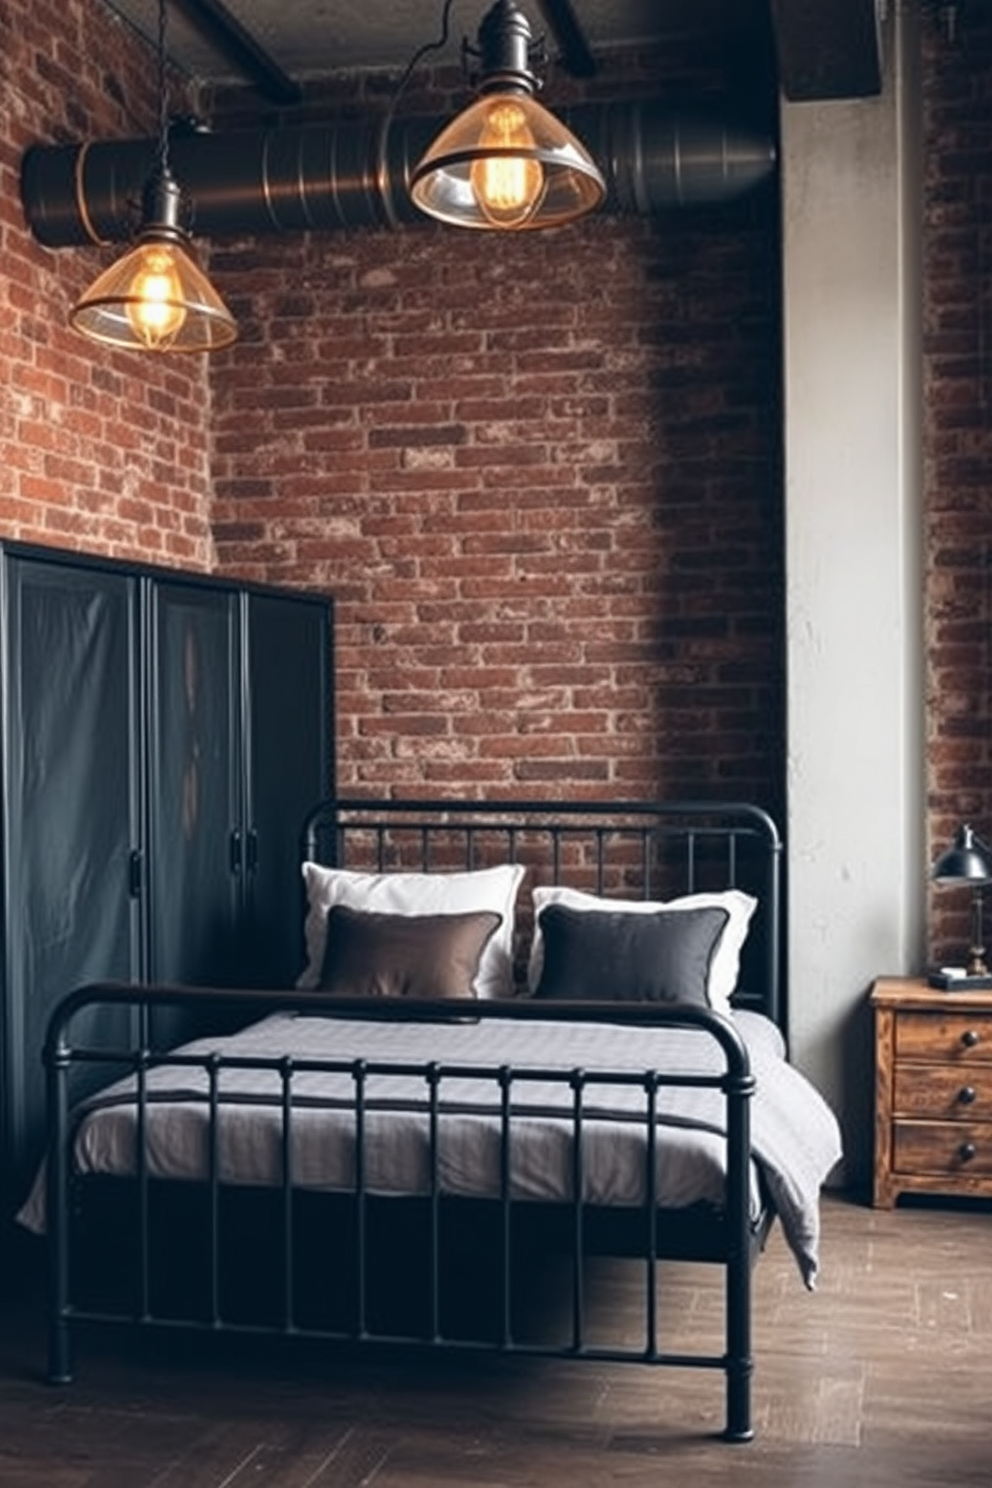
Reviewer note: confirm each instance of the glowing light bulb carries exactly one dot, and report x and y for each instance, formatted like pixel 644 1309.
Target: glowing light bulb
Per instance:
pixel 154 305
pixel 509 187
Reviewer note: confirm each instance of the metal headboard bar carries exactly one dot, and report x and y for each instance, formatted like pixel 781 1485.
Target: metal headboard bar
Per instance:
pixel 727 824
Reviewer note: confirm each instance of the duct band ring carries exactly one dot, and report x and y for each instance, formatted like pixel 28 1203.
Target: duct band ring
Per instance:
pixel 81 207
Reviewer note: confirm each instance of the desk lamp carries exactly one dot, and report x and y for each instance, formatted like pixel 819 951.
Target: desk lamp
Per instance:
pixel 969 861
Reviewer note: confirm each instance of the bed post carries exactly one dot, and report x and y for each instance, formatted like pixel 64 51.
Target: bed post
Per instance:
pixel 57 1212
pixel 739 1362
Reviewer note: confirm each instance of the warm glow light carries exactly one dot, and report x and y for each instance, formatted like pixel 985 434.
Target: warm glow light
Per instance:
pixel 506 162
pixel 508 187
pixel 154 306
pixel 156 297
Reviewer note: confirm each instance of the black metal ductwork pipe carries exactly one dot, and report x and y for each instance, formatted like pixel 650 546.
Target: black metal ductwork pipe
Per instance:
pixel 318 177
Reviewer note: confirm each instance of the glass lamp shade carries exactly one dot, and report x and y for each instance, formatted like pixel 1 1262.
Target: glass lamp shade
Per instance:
pixel 155 298
pixel 506 162
pixel 967 861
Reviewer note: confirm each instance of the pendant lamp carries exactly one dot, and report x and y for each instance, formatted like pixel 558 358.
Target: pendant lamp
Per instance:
pixel 157 298
pixel 506 162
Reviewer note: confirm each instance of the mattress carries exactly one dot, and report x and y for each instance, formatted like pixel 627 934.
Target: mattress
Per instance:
pixel 794 1136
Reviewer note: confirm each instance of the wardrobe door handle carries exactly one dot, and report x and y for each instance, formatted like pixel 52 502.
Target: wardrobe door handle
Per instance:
pixel 969 1038
pixel 966 1151
pixel 966 1095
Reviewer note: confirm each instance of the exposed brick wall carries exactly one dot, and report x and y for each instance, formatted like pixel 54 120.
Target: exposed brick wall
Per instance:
pixel 541 474
pixel 100 450
pixel 542 477
pixel 958 441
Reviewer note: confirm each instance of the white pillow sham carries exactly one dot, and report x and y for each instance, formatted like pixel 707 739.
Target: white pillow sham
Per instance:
pixel 417 894
pixel 725 965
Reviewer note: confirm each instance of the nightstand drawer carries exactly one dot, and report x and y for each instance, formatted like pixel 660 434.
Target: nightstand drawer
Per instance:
pixel 933 1090
pixel 943 1092
pixel 948 1149
pixel 958 1036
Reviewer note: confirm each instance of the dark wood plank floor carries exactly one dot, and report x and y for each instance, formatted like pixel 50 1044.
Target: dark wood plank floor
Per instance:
pixel 883 1376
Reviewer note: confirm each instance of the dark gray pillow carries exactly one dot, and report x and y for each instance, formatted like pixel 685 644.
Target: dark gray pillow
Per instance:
pixel 609 956
pixel 390 955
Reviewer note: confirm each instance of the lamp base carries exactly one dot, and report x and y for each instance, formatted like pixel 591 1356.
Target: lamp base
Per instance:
pixel 956 979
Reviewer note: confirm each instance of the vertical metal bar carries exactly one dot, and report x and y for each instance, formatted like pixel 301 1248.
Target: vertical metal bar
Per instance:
pixel 739 1364
pixel 213 1189
pixel 360 1076
pixel 647 842
pixel 432 1075
pixel 57 1210
pixel 578 1240
pixel 141 1161
pixel 651 1190
pixel 773 989
pixel 505 1177
pixel 288 1288
pixel 599 837
pixel 690 862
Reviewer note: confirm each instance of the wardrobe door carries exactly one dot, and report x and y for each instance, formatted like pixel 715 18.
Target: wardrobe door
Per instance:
pixel 289 761
pixel 72 837
pixel 194 783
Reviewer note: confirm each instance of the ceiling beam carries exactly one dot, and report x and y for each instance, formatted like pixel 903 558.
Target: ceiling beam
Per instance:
pixel 225 32
pixel 828 48
pixel 576 58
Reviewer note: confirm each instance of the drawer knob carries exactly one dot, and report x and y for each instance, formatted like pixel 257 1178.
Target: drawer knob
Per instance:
pixel 966 1151
pixel 969 1038
pixel 966 1095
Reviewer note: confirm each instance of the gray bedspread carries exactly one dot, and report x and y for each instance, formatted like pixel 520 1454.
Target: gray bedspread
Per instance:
pixel 795 1139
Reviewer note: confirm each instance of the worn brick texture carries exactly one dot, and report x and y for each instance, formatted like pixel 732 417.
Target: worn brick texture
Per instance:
pixel 541 474
pixel 957 442
pixel 100 450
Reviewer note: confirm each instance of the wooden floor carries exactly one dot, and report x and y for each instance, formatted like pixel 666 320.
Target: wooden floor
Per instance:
pixel 883 1376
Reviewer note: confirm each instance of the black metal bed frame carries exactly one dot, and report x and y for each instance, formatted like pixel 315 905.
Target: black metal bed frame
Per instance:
pixel 414 834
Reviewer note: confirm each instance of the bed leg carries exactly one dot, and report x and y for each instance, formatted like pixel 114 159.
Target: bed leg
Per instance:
pixel 739 1428
pixel 59 1352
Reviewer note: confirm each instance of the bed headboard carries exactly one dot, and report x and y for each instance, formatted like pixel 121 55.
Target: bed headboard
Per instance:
pixel 628 849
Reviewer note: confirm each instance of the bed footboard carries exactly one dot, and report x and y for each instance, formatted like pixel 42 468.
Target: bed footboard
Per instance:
pixel 318 1226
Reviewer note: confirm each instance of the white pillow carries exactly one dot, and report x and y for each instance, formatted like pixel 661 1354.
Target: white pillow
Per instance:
pixel 725 965
pixel 417 894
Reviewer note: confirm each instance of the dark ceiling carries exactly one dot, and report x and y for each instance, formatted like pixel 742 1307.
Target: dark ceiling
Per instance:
pixel 825 48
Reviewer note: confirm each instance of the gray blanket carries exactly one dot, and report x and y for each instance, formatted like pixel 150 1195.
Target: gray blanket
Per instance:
pixel 794 1136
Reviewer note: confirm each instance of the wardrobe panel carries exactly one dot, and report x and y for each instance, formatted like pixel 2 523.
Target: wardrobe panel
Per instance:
pixel 195 783
pixel 289 762
pixel 73 831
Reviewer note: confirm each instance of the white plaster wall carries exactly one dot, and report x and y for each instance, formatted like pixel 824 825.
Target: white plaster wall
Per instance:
pixel 851 277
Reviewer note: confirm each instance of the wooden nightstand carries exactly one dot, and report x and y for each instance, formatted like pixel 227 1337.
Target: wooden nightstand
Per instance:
pixel 933 1090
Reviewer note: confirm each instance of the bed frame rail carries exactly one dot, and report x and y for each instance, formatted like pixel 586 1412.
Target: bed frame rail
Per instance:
pixel 734 1241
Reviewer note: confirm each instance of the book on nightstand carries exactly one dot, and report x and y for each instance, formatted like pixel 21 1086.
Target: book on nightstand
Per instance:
pixel 956 979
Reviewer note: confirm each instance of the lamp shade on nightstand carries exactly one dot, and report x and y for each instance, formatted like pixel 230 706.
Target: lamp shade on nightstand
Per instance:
pixel 967 861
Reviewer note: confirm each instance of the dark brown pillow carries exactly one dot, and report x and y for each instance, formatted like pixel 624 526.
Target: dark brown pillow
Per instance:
pixel 389 955
pixel 617 957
